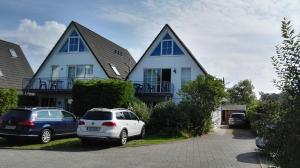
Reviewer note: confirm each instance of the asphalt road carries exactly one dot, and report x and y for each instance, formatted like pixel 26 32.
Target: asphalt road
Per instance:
pixel 225 148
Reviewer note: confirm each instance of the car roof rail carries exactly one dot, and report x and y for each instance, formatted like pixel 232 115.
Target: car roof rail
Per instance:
pixel 46 108
pixel 120 109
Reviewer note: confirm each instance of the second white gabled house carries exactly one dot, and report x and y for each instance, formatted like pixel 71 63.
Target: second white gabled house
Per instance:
pixel 165 66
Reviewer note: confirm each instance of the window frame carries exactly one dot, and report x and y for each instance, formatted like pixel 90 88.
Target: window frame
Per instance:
pixel 185 78
pixel 162 47
pixel 13 53
pixel 42 118
pixel 84 69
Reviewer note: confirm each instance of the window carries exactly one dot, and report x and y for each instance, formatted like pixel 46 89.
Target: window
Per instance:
pixel 127 115
pixel 167 47
pixel 88 70
pixel 43 114
pixel 133 116
pixel 80 71
pixel 13 53
pixel 1 73
pixel 115 69
pixel 185 75
pixel 73 44
pixel 56 114
pixel 120 116
pixel 97 115
pixel 68 115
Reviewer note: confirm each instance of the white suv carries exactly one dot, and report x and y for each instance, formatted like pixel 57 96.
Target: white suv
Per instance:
pixel 110 124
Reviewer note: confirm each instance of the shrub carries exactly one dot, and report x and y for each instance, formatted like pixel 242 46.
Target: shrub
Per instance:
pixel 167 119
pixel 200 98
pixel 8 99
pixel 140 109
pixel 101 93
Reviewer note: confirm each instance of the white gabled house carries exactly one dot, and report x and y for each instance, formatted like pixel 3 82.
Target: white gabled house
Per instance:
pixel 79 54
pixel 164 67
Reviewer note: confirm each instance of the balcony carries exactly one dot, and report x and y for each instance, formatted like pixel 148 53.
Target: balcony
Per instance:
pixel 163 88
pixel 61 84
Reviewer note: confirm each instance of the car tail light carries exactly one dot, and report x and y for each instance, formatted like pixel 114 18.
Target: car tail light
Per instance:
pixel 81 122
pixel 109 124
pixel 27 123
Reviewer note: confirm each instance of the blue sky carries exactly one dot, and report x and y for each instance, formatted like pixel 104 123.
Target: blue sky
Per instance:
pixel 233 39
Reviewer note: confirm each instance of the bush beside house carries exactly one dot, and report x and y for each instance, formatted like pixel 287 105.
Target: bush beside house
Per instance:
pixel 140 109
pixel 101 93
pixel 193 114
pixel 8 99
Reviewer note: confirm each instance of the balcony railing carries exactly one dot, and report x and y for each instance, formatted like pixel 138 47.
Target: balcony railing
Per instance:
pixel 51 84
pixel 162 87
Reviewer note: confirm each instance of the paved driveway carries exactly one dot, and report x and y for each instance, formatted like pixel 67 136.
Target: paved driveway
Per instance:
pixel 223 149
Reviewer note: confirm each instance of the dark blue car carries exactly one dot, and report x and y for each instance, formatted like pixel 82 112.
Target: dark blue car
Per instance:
pixel 40 122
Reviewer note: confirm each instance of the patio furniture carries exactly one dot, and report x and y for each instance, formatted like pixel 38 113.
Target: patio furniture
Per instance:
pixel 42 83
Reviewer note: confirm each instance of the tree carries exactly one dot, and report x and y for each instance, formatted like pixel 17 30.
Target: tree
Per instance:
pixel 242 93
pixel 285 144
pixel 200 98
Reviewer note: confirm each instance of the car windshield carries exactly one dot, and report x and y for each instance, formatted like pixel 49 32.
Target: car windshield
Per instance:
pixel 237 115
pixel 17 114
pixel 97 115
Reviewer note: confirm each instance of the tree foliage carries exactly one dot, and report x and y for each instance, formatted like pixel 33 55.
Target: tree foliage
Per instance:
pixel 8 99
pixel 200 98
pixel 284 145
pixel 242 93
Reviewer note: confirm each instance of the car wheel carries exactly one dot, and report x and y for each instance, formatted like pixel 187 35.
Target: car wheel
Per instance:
pixel 46 136
pixel 143 133
pixel 123 137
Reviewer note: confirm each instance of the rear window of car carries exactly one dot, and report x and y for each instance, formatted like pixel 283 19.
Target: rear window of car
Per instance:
pixel 17 114
pixel 97 115
pixel 237 115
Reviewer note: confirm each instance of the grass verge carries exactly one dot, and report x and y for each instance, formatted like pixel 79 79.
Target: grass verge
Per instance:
pixel 74 144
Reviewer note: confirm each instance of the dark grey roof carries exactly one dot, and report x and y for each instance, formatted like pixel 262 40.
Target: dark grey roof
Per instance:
pixel 183 45
pixel 13 69
pixel 105 51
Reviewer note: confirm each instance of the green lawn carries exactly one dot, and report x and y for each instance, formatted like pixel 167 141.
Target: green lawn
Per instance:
pixel 73 144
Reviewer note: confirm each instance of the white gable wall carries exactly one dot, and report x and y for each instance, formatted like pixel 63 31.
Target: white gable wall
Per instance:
pixel 65 59
pixel 173 62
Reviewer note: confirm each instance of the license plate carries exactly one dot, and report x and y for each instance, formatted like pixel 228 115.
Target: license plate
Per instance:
pixel 10 127
pixel 93 128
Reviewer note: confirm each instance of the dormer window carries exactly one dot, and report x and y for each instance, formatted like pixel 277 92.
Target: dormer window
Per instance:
pixel 167 47
pixel 115 69
pixel 73 44
pixel 13 53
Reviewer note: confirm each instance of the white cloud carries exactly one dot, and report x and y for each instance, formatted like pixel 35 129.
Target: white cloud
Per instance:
pixel 233 39
pixel 36 40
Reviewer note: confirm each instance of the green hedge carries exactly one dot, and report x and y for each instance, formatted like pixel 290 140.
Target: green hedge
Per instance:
pixel 101 93
pixel 140 109
pixel 167 119
pixel 8 99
